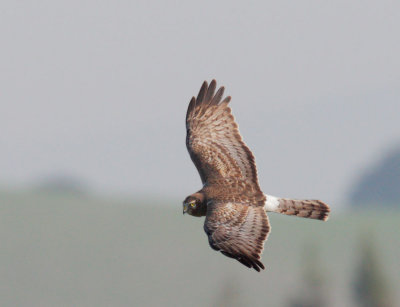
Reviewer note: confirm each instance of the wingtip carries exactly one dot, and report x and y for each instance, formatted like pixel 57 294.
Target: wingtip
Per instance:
pixel 202 92
pixel 260 264
pixel 204 85
pixel 190 108
pixel 210 92
pixel 227 99
pixel 251 263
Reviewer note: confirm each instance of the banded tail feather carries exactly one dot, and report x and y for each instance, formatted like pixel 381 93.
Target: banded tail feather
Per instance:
pixel 308 208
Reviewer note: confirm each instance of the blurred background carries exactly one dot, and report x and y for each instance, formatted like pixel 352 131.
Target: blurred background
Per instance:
pixel 94 168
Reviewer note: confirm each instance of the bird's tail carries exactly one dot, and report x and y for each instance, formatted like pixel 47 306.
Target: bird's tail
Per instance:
pixel 313 209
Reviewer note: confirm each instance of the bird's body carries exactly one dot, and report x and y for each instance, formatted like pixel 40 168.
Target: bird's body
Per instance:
pixel 231 199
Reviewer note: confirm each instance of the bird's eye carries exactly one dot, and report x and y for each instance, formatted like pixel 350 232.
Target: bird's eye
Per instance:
pixel 193 205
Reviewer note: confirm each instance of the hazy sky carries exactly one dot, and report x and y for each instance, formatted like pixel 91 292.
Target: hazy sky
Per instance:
pixel 99 90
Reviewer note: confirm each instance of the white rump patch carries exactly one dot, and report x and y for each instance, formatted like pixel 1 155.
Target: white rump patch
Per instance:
pixel 272 203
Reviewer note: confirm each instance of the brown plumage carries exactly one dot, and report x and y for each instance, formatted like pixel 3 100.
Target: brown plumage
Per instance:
pixel 231 199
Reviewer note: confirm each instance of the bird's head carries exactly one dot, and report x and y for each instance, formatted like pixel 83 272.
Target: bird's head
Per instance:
pixel 193 205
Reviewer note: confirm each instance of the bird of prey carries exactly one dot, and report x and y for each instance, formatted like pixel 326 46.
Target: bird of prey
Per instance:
pixel 231 199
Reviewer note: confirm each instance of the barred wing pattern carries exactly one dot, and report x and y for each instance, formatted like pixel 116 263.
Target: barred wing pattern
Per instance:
pixel 213 139
pixel 238 231
pixel 236 223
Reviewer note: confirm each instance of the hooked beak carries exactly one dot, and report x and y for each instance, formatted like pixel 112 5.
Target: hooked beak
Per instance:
pixel 185 208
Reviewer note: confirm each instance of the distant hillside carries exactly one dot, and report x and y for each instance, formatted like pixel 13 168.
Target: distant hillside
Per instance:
pixel 61 183
pixel 66 250
pixel 379 185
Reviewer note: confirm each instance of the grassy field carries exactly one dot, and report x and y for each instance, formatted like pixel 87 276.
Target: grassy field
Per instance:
pixel 79 251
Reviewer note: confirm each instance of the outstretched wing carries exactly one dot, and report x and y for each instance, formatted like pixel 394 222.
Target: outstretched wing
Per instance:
pixel 238 231
pixel 213 139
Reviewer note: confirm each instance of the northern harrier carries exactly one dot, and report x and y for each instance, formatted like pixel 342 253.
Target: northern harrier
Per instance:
pixel 231 199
